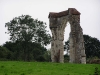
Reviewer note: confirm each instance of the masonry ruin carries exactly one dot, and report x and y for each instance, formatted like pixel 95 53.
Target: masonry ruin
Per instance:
pixel 57 24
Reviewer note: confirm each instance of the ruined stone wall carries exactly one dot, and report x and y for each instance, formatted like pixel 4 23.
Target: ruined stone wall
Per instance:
pixel 57 25
pixel 77 50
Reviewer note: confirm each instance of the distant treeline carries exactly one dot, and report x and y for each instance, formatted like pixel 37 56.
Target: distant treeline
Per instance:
pixel 17 51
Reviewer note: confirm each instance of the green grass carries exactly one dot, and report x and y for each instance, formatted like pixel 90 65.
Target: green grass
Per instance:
pixel 45 68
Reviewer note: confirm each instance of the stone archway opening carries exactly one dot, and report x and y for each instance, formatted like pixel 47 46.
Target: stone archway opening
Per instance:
pixel 67 31
pixel 57 25
pixel 66 38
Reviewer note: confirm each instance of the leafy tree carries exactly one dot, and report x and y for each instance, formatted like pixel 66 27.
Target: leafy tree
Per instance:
pixel 15 48
pixel 92 46
pixel 66 46
pixel 24 29
pixel 35 51
pixel 47 55
pixel 5 54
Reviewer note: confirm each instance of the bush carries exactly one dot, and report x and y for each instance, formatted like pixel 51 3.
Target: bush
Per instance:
pixel 66 58
pixel 5 54
pixel 40 58
pixel 93 60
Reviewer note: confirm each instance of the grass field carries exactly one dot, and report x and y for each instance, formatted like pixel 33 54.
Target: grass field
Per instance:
pixel 46 68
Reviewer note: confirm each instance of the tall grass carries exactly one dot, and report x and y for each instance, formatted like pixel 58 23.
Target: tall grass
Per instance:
pixel 46 68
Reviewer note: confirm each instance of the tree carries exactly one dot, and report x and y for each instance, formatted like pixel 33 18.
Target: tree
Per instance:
pixel 16 50
pixel 92 46
pixel 5 54
pixel 24 29
pixel 35 51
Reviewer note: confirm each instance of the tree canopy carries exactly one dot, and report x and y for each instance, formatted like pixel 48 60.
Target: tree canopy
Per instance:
pixel 92 46
pixel 25 28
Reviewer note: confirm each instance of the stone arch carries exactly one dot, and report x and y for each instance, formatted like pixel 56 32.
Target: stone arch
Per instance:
pixel 57 24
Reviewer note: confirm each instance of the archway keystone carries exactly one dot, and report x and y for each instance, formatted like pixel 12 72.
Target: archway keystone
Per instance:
pixel 58 22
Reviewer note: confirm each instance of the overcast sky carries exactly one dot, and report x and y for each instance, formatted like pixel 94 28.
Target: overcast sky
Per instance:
pixel 89 9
